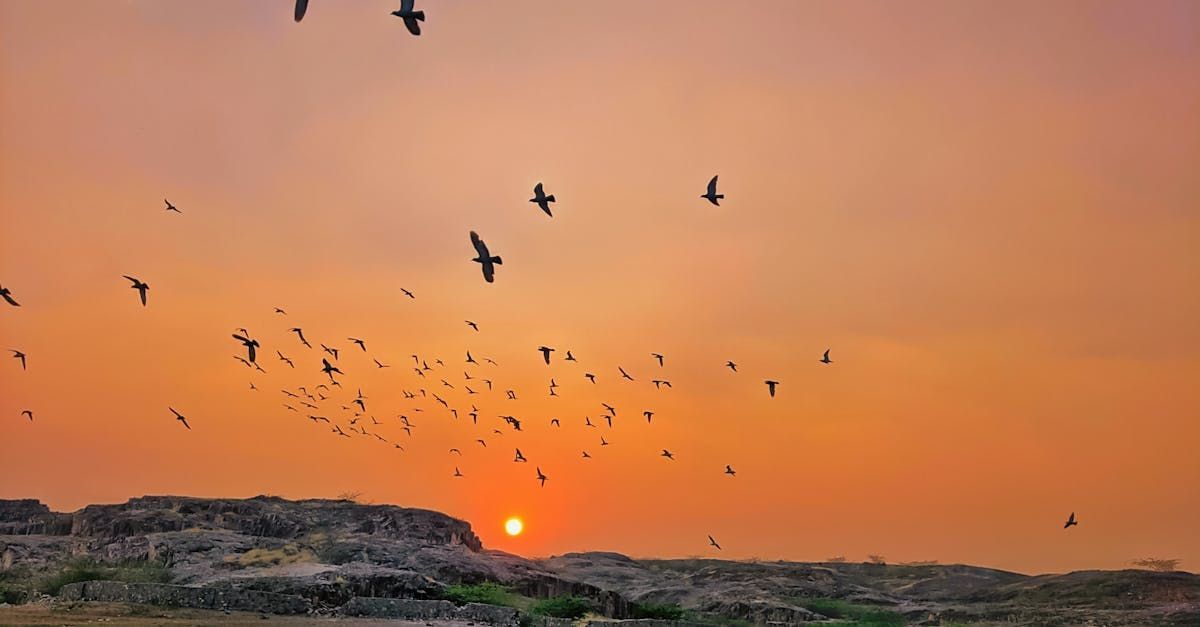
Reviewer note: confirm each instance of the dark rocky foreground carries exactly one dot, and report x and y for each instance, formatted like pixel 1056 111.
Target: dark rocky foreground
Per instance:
pixel 337 558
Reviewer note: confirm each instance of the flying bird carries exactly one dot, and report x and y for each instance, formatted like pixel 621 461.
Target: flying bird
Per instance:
pixel 470 359
pixel 412 19
pixel 732 366
pixel 380 365
pixel 825 358
pixel 771 387
pixel 730 471
pixel 457 473
pixel 648 415
pixel 171 207
pixel 660 382
pixel 483 257
pixel 251 345
pixel 285 359
pixel 519 457
pixel 668 454
pixel 331 351
pixel 1071 521
pixel 711 195
pixel 546 350
pixel 659 357
pixel 590 377
pixel 361 344
pixel 570 357
pixel 142 288
pixel 19 355
pixel 280 311
pixel 180 418
pixel 28 413
pixel 6 294
pixel 712 542
pixel 542 199
pixel 624 375
pixel 472 325
pixel 329 369
pixel 541 478
pixel 301 7
pixel 586 456
pixel 300 333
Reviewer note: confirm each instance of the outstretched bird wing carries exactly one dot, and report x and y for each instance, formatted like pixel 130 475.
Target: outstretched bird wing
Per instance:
pixel 712 186
pixel 301 7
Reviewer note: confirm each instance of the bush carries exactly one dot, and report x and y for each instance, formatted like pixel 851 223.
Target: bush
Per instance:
pixel 658 612
pixel 1157 565
pixel 486 592
pixel 563 607
pixel 87 570
pixel 861 614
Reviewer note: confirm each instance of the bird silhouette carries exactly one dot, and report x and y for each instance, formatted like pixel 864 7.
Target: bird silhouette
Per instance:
pixel 570 357
pixel 28 413
pixel 624 375
pixel 711 194
pixel 472 325
pixel 541 478
pixel 659 357
pixel 712 542
pixel 380 365
pixel 590 377
pixel 1071 521
pixel 407 293
pixel 6 294
pixel 361 344
pixel 825 358
pixel 457 472
pixel 730 471
pixel 251 345
pixel 648 415
pixel 668 454
pixel 542 199
pixel 660 382
pixel 19 355
pixel 519 457
pixel 555 422
pixel 301 7
pixel 586 456
pixel 300 333
pixel 412 19
pixel 484 258
pixel 141 287
pixel 732 366
pixel 329 369
pixel 280 311
pixel 331 351
pixel 454 450
pixel 171 207
pixel 546 350
pixel 470 359
pixel 771 387
pixel 285 359
pixel 180 418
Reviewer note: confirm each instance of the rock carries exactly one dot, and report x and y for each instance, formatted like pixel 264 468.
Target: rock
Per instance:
pixel 184 596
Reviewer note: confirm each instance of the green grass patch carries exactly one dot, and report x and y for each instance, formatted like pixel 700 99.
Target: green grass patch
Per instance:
pixel 88 570
pixel 487 592
pixel 563 607
pixel 860 615
pixel 656 611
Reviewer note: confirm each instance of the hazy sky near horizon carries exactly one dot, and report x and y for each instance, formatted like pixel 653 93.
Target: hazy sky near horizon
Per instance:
pixel 988 211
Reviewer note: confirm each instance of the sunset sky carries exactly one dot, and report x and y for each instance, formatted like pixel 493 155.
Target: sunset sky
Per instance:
pixel 990 212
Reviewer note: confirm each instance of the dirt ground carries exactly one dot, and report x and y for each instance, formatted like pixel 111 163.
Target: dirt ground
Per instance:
pixel 55 613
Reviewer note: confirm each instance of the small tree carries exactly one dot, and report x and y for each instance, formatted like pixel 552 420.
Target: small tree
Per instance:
pixel 1157 565
pixel 351 496
pixel 877 559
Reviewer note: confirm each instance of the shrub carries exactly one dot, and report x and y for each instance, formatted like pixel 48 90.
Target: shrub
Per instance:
pixel 1157 565
pixel 860 614
pixel 87 570
pixel 486 592
pixel 563 607
pixel 658 612
pixel 877 559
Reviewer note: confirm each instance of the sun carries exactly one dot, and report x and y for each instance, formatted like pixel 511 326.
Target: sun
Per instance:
pixel 513 526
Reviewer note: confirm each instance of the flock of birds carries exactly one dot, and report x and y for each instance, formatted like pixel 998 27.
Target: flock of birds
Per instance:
pixel 317 402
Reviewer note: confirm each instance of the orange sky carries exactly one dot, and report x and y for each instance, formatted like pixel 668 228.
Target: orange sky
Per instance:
pixel 988 211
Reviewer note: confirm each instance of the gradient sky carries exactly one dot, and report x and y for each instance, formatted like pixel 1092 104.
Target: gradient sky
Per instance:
pixel 989 211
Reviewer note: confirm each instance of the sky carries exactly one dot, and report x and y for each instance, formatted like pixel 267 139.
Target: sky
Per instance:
pixel 987 211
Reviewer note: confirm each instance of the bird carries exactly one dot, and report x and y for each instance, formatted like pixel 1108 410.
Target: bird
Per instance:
pixel 555 422
pixel 624 375
pixel 586 456
pixel 361 344
pixel 570 357
pixel 472 325
pixel 454 450
pixel 411 18
pixel 407 293
pixel 285 359
pixel 484 258
pixel 771 387
pixel 590 377
pixel 377 364
pixel 251 345
pixel 541 478
pixel 331 351
pixel 470 359
pixel 648 415
pixel 141 287
pixel 519 457
pixel 171 207
pixel 730 471
pixel 457 472
pixel 1071 521
pixel 280 311
pixel 546 350
pixel 301 7
pixel 180 418
pixel 612 410
pixel 329 369
pixel 732 366
pixel 712 542
pixel 603 442
pixel 19 355
pixel 660 382
pixel 659 357
pixel 667 454
pixel 28 413
pixel 587 422
pixel 825 358
pixel 542 199
pixel 300 333
pixel 711 195
pixel 6 294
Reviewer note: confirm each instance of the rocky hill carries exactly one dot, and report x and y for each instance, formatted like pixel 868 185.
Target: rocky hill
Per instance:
pixel 320 556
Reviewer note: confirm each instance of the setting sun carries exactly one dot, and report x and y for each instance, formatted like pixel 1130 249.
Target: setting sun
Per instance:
pixel 513 526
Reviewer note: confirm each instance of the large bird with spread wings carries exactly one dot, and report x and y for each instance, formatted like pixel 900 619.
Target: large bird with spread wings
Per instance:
pixel 484 258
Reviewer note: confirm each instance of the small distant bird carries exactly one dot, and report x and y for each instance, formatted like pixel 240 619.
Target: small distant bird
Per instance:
pixel 482 443
pixel 1071 521
pixel 331 351
pixel 771 387
pixel 541 478
pixel 457 472
pixel 141 287
pixel 570 357
pixel 301 7
pixel 603 442
pixel 412 19
pixel 730 471
pixel 251 345
pixel 472 325
pixel 252 386
pixel 624 375
pixel 28 413
pixel 667 454
pixel 712 542
pixel 280 311
pixel 659 357
pixel 612 410
pixel 361 344
pixel 542 199
pixel 300 333
pixel 555 422
pixel 711 195
pixel 19 355
pixel 6 294
pixel 732 366
pixel 648 415
pixel 407 293
pixel 660 382
pixel 483 257
pixel 171 207
pixel 519 457
pixel 380 365
pixel 590 377
pixel 285 359
pixel 825 358
pixel 546 350
pixel 454 450
pixel 586 456
pixel 180 418
pixel 470 359
pixel 587 422
pixel 329 369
